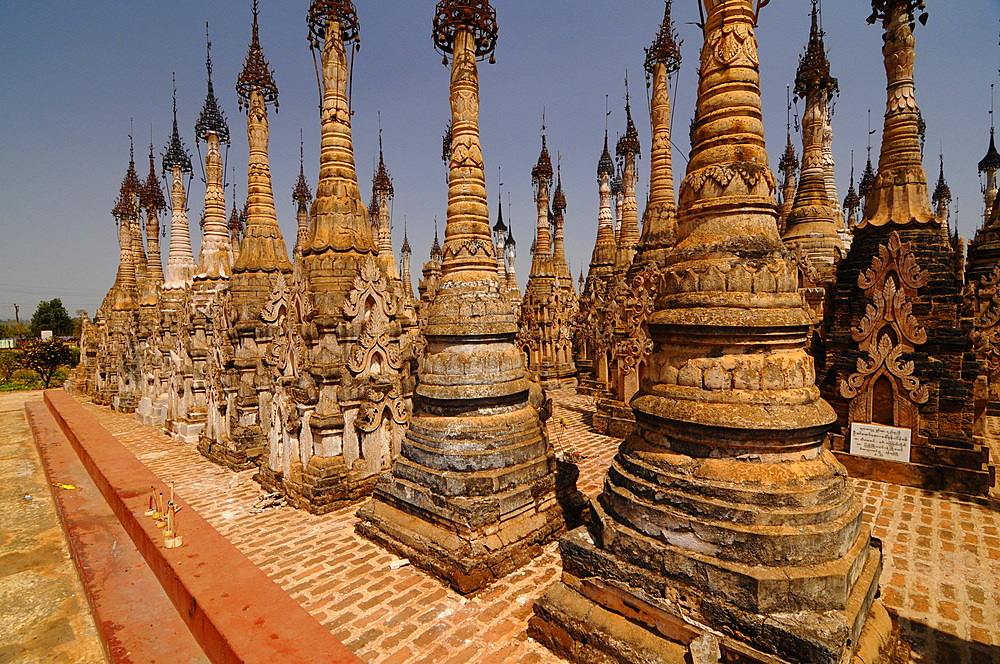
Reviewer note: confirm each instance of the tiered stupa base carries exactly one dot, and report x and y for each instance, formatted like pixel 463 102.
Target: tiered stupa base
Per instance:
pixel 714 559
pixel 613 417
pixel 605 610
pixel 321 486
pixel 486 502
pixel 241 452
pixel 962 467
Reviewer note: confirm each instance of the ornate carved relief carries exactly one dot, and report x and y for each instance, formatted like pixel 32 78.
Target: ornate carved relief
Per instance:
pixel 373 354
pixel 886 333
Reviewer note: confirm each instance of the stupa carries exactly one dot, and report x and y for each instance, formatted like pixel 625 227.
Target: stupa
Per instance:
pixel 473 493
pixel 900 365
pixel 726 530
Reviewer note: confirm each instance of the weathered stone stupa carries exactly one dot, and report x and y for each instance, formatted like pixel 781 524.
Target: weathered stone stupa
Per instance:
pixel 549 306
pixel 473 493
pixel 634 297
pixel 345 371
pixel 726 531
pixel 810 231
pixel 900 362
pixel 263 259
pixel 592 337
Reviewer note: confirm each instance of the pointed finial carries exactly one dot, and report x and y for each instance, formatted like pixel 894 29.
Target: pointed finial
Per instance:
pixel 666 49
pixel 629 142
pixel 543 167
pixel 175 154
pixel 212 120
pixel 257 73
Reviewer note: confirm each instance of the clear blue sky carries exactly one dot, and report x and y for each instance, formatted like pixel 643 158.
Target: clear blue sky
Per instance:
pixel 73 75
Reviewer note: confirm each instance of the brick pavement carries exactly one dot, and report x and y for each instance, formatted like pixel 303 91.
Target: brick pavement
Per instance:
pixel 942 562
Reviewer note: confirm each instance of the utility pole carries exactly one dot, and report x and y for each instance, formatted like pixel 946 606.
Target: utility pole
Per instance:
pixel 17 318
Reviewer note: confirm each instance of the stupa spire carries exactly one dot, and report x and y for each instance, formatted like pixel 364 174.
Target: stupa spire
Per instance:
pixel 215 258
pixel 989 165
pixel 659 221
pixel 339 222
pixel 559 264
pixel 177 162
pixel 404 258
pixel 941 198
pixel 898 195
pixel 602 259
pixel 154 203
pixel 302 197
pixel 124 294
pixel 541 177
pixel 628 150
pixel 810 229
pixel 382 195
pixel 852 202
pixel 472 396
pixel 262 250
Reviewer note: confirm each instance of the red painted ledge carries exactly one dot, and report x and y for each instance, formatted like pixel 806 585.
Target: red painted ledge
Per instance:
pixel 236 613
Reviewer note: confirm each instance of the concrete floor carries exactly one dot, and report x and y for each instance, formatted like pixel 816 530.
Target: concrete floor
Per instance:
pixel 44 616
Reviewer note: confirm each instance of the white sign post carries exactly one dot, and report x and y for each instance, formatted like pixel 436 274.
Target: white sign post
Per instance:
pixel 878 441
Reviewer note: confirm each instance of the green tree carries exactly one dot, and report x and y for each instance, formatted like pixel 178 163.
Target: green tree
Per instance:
pixel 51 315
pixel 45 357
pixel 10 360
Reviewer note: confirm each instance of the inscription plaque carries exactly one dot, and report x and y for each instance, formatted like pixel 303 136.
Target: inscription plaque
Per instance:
pixel 881 442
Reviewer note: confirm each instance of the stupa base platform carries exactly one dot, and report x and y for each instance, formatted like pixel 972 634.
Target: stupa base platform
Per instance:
pixel 598 614
pixel 241 452
pixel 435 534
pixel 152 412
pixel 558 382
pixel 591 386
pixel 184 430
pixel 125 403
pixel 321 486
pixel 614 418
pixel 966 471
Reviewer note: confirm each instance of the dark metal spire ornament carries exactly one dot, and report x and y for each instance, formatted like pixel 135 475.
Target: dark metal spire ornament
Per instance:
pixel 880 10
pixel 814 67
pixel 666 47
pixel 942 192
pixel 321 11
pixel 406 240
pixel 212 118
pixel 475 15
pixel 558 197
pixel 127 203
pixel 992 158
pixel 381 182
pixel 852 202
pixel 629 142
pixel 151 196
pixel 175 155
pixel 436 246
pixel 446 144
pixel 542 172
pixel 257 73
pixel 605 165
pixel 302 195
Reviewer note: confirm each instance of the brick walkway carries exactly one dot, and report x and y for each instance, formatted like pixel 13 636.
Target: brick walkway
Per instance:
pixel 942 563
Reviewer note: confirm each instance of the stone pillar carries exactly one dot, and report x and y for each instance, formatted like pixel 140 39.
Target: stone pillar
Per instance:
pixel 473 494
pixel 725 530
